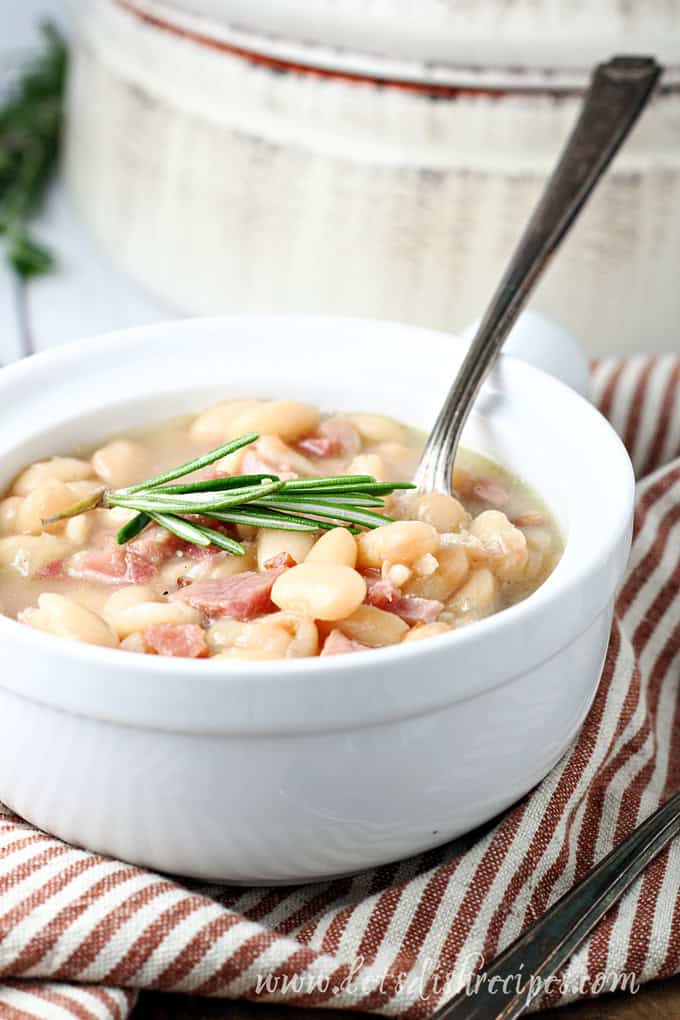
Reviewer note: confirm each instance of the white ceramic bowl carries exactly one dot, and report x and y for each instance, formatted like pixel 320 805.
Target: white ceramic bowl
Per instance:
pixel 292 771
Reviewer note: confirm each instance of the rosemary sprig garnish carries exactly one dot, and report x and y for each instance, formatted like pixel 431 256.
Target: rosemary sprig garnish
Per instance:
pixel 260 500
pixel 30 132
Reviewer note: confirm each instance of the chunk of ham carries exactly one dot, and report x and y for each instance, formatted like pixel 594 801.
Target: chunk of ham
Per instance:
pixel 282 559
pixel 139 560
pixel 155 544
pixel 201 552
pixel 411 608
pixel 240 597
pixel 316 446
pixel 53 569
pixel 110 563
pixel 198 552
pixel 185 640
pixel 372 577
pixel 336 437
pixel 532 518
pixel 338 643
pixel 270 453
pixel 491 492
pixel 134 563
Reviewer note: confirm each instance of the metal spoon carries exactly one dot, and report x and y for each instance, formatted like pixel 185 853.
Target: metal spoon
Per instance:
pixel 618 92
pixel 522 972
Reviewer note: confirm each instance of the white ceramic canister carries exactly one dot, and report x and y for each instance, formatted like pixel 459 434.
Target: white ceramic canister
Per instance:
pixel 372 157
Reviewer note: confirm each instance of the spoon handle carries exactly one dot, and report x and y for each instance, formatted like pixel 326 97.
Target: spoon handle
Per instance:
pixel 524 970
pixel 618 92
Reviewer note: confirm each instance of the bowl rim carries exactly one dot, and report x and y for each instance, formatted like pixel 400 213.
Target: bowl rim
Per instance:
pixel 258 672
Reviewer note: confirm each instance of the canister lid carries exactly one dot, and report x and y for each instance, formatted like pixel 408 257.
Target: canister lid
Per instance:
pixel 530 42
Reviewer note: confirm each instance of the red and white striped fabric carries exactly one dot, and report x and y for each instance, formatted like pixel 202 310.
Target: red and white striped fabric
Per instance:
pixel 79 932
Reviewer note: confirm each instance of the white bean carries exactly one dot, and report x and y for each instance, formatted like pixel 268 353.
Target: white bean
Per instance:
pixel 65 617
pixel 134 643
pixel 28 553
pixel 9 509
pixel 288 419
pixel 398 456
pixel 228 565
pixel 218 565
pixel 538 538
pixel 64 469
pixel 121 463
pixel 81 490
pixel 376 428
pixel 445 513
pixel 477 598
pixel 146 614
pixel 373 627
pixel 77 529
pixel 336 546
pixel 397 573
pixel 399 542
pixel 223 634
pixel 279 635
pixel 426 630
pixel 369 464
pixel 123 598
pixel 215 424
pixel 246 653
pixel 425 565
pixel 322 591
pixel 505 544
pixel 45 499
pixel 231 464
pixel 279 457
pixel 113 517
pixel 452 570
pixel 272 542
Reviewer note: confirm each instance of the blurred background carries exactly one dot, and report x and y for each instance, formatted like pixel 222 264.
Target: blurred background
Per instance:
pixel 357 157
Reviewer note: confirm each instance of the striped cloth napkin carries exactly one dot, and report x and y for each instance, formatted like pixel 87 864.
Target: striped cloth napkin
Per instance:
pixel 79 933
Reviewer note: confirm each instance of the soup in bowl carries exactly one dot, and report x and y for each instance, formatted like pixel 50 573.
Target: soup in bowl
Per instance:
pixel 272 755
pixel 396 566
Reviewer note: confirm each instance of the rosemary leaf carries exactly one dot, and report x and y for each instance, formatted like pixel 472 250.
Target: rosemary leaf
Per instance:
pixel 340 498
pixel 198 534
pixel 369 488
pixel 222 541
pixel 190 503
pixel 133 527
pixel 336 512
pixel 27 256
pixel 258 500
pixel 30 135
pixel 331 482
pixel 193 465
pixel 183 529
pixel 216 484
pixel 88 503
pixel 270 519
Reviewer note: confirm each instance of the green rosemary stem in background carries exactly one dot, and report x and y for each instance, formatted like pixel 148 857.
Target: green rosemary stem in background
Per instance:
pixel 31 118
